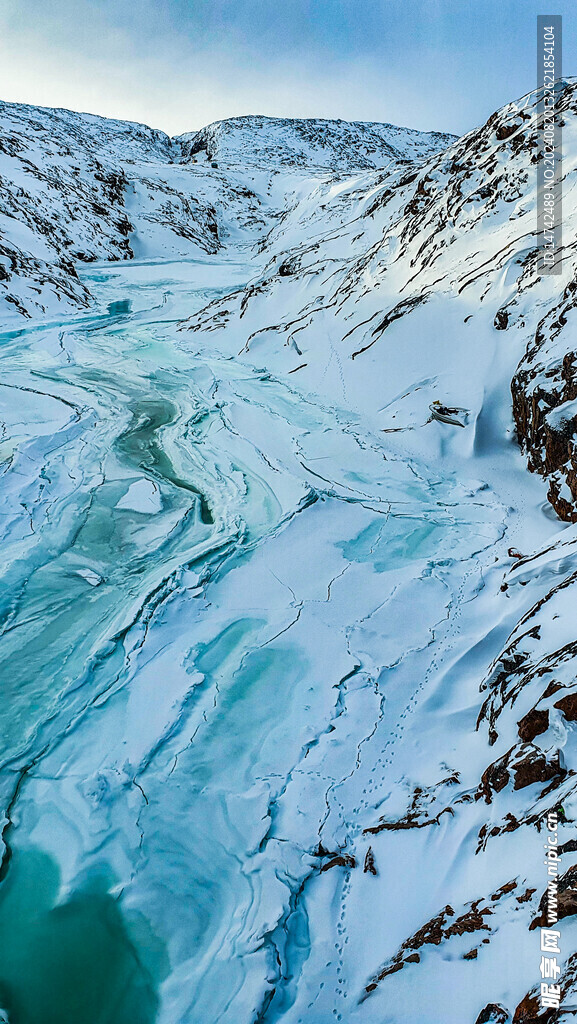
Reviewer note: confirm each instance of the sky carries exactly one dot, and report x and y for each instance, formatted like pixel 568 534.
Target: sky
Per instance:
pixel 440 65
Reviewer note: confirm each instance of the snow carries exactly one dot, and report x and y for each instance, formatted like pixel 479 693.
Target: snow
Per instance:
pixel 90 576
pixel 142 496
pixel 562 414
pixel 263 612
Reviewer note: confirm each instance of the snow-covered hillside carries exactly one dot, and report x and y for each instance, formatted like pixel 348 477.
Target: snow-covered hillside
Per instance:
pixel 290 665
pixel 78 188
pixel 274 143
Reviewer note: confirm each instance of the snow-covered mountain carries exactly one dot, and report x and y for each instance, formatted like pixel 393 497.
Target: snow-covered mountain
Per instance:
pixel 276 144
pixel 290 663
pixel 78 188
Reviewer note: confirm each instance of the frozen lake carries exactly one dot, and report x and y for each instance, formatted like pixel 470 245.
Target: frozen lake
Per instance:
pixel 222 600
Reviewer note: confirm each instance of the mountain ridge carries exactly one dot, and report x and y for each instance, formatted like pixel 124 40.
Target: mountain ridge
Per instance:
pixel 71 196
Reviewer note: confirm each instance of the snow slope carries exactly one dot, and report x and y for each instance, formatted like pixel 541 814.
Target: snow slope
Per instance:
pixel 75 187
pixel 274 143
pixel 288 664
pixel 431 293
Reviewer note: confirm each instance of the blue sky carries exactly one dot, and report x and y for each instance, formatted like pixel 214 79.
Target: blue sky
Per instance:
pixel 179 64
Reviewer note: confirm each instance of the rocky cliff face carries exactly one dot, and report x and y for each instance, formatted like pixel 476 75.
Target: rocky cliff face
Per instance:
pixel 544 390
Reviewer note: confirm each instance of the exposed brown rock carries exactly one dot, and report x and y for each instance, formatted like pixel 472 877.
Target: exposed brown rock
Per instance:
pixel 419 813
pixel 528 1009
pixel 321 851
pixel 533 724
pixel 566 899
pixel 538 388
pixel 504 889
pixel 342 860
pixel 550 690
pixel 526 896
pixel 471 921
pixel 409 821
pixel 536 768
pixel 504 131
pixel 287 268
pixel 568 706
pixel 493 1013
pixel 501 320
pixel 511 824
pixel 493 780
pixel 434 932
pixel 569 847
pixel 527 765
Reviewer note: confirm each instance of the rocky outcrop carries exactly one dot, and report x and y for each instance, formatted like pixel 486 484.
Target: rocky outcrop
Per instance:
pixel 493 1013
pixel 544 391
pixel 544 387
pixel 446 925
pixel 529 1010
pixel 523 766
pixel 566 899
